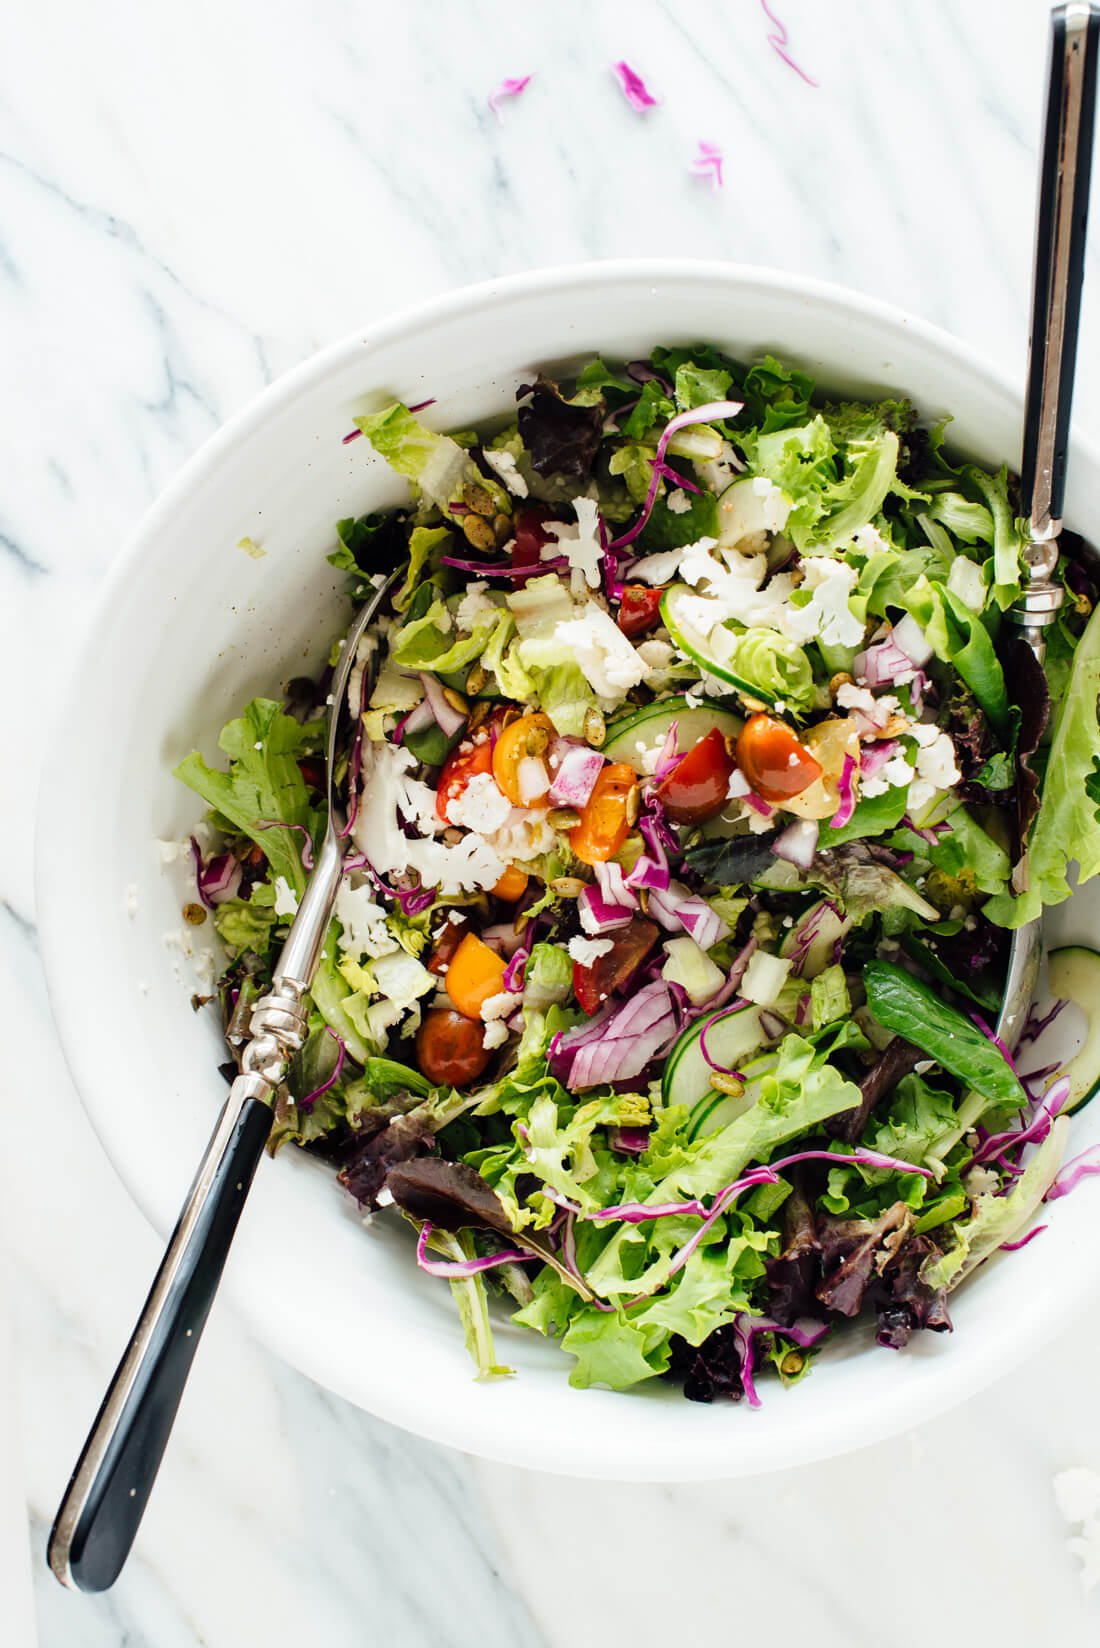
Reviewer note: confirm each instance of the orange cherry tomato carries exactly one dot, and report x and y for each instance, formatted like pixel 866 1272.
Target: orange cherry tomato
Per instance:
pixel 465 760
pixel 773 760
pixel 450 1049
pixel 512 885
pixel 603 827
pixel 696 787
pixel 519 742
pixel 475 974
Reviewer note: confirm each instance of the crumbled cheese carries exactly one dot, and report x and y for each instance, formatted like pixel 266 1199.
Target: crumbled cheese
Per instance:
pixel 286 899
pixel 480 806
pixel 678 502
pixel 738 784
pixel 869 539
pixel 655 655
pixel 827 616
pixel 472 864
pixel 170 852
pixel 506 468
pixel 967 580
pixel 499 1006
pixel 693 700
pixel 182 939
pixel 893 774
pixel 936 766
pixel 495 1034
pixel 363 922
pixel 580 544
pixel 524 835
pixel 717 473
pixel 1077 1495
pixel 132 900
pixel 473 605
pixel 606 658
pixel 532 779
pixel 759 823
pixel 587 950
pixel 660 568
pixel 851 697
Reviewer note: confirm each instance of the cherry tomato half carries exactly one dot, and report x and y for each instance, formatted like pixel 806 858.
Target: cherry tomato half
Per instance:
pixel 696 787
pixel 603 827
pixel 475 974
pixel 639 609
pixel 524 741
pixel 773 760
pixel 529 524
pixel 465 760
pixel 594 982
pixel 449 1048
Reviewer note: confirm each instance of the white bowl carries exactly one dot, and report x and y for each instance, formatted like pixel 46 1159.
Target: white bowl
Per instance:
pixel 188 627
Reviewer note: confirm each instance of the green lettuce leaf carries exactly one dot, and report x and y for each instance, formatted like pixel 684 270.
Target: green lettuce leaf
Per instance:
pixel 248 923
pixel 610 1350
pixel 909 1007
pixel 958 637
pixel 263 782
pixel 1068 825
pixel 438 465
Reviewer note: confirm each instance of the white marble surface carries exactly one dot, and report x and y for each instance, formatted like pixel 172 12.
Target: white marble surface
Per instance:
pixel 191 200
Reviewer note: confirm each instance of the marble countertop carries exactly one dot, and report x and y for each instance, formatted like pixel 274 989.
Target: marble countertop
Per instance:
pixel 191 200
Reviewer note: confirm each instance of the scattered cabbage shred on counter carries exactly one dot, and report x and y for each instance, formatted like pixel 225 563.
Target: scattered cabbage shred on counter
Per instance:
pixel 685 771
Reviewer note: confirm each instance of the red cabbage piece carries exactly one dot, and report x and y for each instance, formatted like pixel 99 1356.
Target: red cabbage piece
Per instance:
pixel 779 41
pixel 846 789
pixel 453 1268
pixel 712 411
pixel 509 87
pixel 634 88
pixel 708 163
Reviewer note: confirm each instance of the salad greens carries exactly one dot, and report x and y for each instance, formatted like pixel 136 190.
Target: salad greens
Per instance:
pixel 685 779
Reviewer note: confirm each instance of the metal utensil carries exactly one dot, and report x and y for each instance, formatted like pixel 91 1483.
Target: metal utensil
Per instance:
pixel 106 1498
pixel 1064 175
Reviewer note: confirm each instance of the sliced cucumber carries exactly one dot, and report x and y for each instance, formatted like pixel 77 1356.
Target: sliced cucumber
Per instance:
pixel 1074 976
pixel 743 512
pixel 696 645
pixel 731 1042
pixel 825 928
pixel 633 737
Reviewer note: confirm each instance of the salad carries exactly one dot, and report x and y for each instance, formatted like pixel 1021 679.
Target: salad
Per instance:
pixel 686 775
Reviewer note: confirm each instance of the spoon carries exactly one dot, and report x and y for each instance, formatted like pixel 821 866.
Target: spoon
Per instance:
pixel 1064 173
pixel 105 1500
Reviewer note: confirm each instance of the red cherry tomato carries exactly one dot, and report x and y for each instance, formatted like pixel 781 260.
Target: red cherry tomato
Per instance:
pixel 696 787
pixel 449 1048
pixel 529 524
pixel 776 764
pixel 446 944
pixel 595 982
pixel 639 609
pixel 465 760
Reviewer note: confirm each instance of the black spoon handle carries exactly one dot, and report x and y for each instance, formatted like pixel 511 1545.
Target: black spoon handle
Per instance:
pixel 110 1487
pixel 1064 173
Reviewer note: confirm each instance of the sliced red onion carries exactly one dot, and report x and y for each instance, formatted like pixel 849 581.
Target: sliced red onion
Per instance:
pixel 625 1043
pixel 772 1024
pixel 512 979
pixel 995 1147
pixel 576 776
pixel 415 721
pixel 883 665
pixel 598 915
pixel 875 755
pixel 629 1141
pixel 413 900
pixel 847 791
pixel 453 1268
pixel 306 848
pixel 798 843
pixel 509 87
pixel 1014 1247
pixel 503 938
pixel 634 88
pixel 682 420
pixel 613 887
pixel 218 878
pixel 677 908
pixel 448 719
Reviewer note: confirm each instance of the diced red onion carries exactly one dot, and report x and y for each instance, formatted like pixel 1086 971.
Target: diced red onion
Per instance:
pixel 503 938
pixel 772 1024
pixel 676 908
pixel 629 1141
pixel 512 979
pixel 875 755
pixel 415 721
pixel 847 791
pixel 454 1268
pixel 682 420
pixel 910 639
pixel 612 885
pixel 634 88
pixel 758 804
pixel 883 665
pixel 448 719
pixel 218 878
pixel 599 915
pixel 576 776
pixel 623 1044
pixel 798 843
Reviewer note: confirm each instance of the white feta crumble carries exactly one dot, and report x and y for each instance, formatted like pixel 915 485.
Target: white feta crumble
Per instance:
pixel 606 658
pixel 655 655
pixel 580 544
pixel 170 852
pixel 936 766
pixel 967 580
pixel 1077 1496
pixel 132 900
pixel 869 539
pixel 893 774
pixel 660 568
pixel 587 950
pixel 495 1034
pixel 678 502
pixel 738 785
pixel 473 605
pixel 851 697
pixel 471 865
pixel 506 469
pixel 827 616
pixel 499 1006
pixel 286 899
pixel 363 921
pixel 480 806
